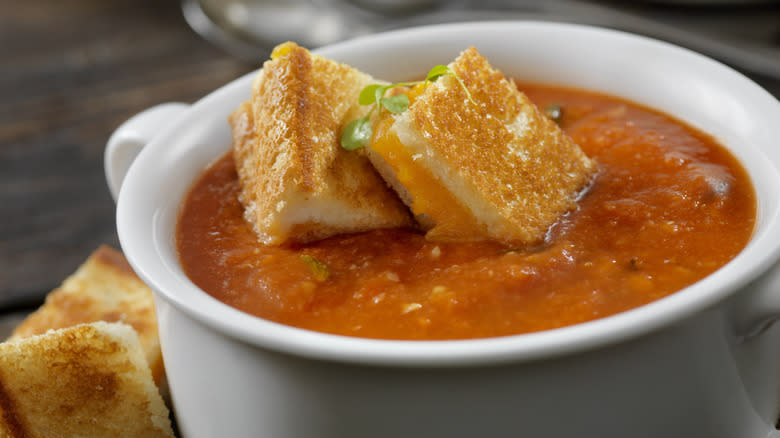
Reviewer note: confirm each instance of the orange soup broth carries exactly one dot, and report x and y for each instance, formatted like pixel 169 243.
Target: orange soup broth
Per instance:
pixel 668 207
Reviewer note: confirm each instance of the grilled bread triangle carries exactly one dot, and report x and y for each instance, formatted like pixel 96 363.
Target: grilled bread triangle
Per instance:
pixel 482 165
pixel 90 380
pixel 297 183
pixel 103 288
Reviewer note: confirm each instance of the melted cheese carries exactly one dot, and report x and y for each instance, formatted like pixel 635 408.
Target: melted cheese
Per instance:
pixel 429 196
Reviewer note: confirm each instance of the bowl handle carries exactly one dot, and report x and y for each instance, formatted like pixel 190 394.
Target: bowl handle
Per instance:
pixel 752 316
pixel 131 136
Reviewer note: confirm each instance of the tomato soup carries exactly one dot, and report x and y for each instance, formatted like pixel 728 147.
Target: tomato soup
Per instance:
pixel 668 207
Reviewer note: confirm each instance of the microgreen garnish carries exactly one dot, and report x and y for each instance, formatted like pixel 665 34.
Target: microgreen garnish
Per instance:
pixel 318 269
pixel 396 104
pixel 358 132
pixel 438 71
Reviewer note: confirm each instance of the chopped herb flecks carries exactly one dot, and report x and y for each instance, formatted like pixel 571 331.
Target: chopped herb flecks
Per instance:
pixel 554 111
pixel 318 269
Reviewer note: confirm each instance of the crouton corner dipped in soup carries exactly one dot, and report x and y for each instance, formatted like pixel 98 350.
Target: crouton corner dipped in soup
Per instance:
pixel 657 206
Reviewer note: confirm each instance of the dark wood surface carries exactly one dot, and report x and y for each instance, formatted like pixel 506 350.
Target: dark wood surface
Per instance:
pixel 70 73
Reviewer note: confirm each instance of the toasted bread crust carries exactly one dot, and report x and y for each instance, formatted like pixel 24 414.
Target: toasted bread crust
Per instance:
pixel 87 380
pixel 297 182
pixel 103 288
pixel 503 159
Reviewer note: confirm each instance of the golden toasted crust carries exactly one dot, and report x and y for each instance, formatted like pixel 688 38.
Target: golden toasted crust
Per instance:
pixel 104 288
pixel 297 182
pixel 508 164
pixel 90 380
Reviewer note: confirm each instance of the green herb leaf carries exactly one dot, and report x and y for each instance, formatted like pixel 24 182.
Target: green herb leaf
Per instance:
pixel 395 104
pixel 438 71
pixel 318 269
pixel 379 93
pixel 368 94
pixel 442 70
pixel 357 133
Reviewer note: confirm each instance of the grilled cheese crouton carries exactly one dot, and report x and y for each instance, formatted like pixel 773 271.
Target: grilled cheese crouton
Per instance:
pixel 297 183
pixel 482 165
pixel 90 380
pixel 103 288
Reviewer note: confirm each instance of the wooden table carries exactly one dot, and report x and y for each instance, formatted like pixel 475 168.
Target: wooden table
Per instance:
pixel 70 73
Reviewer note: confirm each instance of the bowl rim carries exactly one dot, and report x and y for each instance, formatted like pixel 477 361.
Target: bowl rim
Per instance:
pixel 143 253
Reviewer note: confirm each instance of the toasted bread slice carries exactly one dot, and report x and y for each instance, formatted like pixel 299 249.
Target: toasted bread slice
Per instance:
pixel 297 182
pixel 486 167
pixel 90 380
pixel 103 288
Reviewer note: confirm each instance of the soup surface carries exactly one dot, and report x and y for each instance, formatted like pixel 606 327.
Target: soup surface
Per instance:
pixel 668 207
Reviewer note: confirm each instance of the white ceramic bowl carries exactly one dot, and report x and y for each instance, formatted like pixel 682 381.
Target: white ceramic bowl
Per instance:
pixel 701 362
